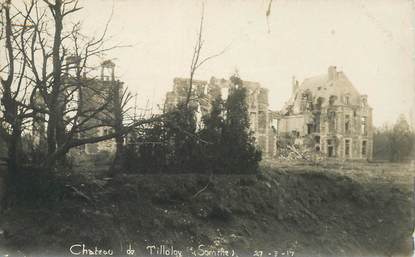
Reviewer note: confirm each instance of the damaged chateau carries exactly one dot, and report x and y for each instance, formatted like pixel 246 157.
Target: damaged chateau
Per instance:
pixel 324 113
pixel 328 114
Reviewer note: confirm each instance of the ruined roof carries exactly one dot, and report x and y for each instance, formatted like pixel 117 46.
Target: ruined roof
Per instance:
pixel 186 81
pixel 333 84
pixel 221 82
pixel 108 64
pixel 226 83
pixel 323 86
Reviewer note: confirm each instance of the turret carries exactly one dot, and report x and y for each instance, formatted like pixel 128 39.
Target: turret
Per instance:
pixel 107 70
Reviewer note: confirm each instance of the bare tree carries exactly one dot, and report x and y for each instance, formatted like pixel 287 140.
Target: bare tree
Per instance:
pixel 15 32
pixel 56 57
pixel 14 88
pixel 197 59
pixel 57 65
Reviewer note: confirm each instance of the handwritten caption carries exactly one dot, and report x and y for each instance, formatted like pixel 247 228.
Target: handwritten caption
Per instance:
pixel 171 251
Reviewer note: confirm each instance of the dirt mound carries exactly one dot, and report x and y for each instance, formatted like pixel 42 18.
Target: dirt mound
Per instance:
pixel 279 211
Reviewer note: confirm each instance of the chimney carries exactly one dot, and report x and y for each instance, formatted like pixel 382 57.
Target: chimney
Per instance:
pixel 332 72
pixel 294 84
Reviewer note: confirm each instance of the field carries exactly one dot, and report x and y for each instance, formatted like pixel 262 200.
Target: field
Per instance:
pixel 300 209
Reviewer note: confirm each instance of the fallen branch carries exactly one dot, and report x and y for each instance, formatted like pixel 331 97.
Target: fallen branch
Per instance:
pixel 201 190
pixel 79 193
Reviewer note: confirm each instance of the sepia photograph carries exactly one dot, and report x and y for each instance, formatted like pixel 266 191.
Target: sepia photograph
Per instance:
pixel 205 128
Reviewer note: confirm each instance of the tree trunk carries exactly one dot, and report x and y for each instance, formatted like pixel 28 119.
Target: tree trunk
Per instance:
pixel 10 175
pixel 56 95
pixel 51 134
pixel 14 148
pixel 3 187
pixel 118 125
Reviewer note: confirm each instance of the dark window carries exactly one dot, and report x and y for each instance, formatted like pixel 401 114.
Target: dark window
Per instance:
pixel 364 147
pixel 364 101
pixel 317 141
pixel 262 120
pixel 295 133
pixel 319 104
pixel 363 126
pixel 310 128
pixel 332 121
pixel 347 124
pixel 332 99
pixel 330 148
pixel 347 147
pixel 347 100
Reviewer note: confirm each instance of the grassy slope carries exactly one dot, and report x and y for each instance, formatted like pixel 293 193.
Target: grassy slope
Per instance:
pixel 331 210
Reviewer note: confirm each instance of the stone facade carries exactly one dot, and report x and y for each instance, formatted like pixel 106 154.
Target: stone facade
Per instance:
pixel 95 95
pixel 328 114
pixel 257 101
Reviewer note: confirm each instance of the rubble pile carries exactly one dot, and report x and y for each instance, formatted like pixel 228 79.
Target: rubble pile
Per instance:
pixel 297 153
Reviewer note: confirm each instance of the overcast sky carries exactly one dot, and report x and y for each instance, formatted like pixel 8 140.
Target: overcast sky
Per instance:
pixel 371 41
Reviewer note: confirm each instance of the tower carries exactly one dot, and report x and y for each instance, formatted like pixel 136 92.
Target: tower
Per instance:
pixel 72 65
pixel 107 71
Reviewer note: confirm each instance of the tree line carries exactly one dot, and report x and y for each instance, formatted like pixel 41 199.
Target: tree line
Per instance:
pixel 394 143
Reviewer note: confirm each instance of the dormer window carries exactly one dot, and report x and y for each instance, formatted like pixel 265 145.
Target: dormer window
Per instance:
pixel 347 100
pixel 364 100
